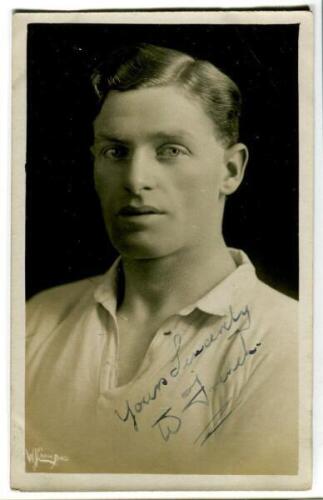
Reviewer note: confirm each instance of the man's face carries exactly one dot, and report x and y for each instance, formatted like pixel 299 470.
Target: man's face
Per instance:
pixel 158 172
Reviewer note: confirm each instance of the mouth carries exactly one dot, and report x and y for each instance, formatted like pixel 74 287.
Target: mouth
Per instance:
pixel 132 211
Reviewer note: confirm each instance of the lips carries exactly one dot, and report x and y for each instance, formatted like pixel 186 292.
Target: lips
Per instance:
pixel 130 210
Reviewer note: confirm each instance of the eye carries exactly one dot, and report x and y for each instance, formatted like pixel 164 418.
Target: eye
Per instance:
pixel 171 151
pixel 115 152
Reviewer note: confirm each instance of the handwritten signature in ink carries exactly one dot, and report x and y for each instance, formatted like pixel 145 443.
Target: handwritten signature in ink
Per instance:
pixel 225 328
pixel 169 423
pixel 216 421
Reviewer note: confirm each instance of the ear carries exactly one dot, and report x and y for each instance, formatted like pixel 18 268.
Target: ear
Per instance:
pixel 235 161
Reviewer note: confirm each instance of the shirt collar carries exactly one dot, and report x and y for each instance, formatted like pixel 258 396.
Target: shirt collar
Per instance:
pixel 235 290
pixel 232 291
pixel 106 293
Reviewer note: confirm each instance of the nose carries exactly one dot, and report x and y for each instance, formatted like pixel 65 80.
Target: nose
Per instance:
pixel 139 174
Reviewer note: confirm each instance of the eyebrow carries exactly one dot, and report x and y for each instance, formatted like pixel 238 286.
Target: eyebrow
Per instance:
pixel 176 134
pixel 106 137
pixel 168 136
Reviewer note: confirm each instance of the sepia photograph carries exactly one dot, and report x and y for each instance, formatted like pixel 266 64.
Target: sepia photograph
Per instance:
pixel 164 164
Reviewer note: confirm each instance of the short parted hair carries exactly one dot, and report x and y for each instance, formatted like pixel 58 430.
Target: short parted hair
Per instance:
pixel 144 65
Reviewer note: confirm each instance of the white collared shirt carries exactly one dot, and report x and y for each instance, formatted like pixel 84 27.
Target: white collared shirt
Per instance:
pixel 216 392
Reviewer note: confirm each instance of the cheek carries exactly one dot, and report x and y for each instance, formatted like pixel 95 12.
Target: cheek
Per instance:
pixel 105 182
pixel 99 178
pixel 199 187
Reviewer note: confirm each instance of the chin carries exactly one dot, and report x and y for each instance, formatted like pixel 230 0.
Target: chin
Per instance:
pixel 137 251
pixel 144 244
pixel 141 250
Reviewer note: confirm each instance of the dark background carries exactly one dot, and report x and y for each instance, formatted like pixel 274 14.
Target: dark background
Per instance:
pixel 66 239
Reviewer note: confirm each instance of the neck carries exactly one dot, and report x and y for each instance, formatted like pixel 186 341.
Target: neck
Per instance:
pixel 162 286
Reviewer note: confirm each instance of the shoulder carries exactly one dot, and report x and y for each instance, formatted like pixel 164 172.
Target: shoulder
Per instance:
pixel 276 303
pixel 276 316
pixel 53 305
pixel 267 302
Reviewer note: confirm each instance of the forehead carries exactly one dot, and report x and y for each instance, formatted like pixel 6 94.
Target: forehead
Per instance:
pixel 153 110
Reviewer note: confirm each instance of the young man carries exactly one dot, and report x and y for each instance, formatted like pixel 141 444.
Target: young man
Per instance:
pixel 178 359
